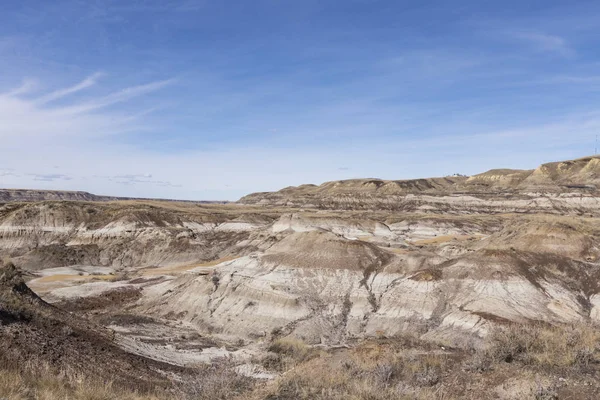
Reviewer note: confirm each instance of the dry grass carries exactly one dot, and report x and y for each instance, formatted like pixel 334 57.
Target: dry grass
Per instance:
pixel 286 353
pixel 561 347
pixel 529 356
pixel 375 370
pixel 46 386
pixel 218 381
pixel 362 378
pixel 522 361
pixel 292 347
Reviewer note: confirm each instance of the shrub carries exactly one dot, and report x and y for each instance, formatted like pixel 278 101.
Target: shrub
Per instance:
pixel 560 346
pixel 292 347
pixel 318 380
pixel 218 381
pixel 19 385
pixel 285 353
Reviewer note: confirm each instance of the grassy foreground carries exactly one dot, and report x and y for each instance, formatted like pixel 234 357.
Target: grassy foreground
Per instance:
pixel 515 362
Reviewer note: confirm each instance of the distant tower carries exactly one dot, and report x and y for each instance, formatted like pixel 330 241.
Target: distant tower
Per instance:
pixel 596 148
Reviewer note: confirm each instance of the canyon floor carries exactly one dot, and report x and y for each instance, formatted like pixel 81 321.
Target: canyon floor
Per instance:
pixel 445 288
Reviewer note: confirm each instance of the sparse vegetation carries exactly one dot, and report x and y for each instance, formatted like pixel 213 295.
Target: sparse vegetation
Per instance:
pixel 370 372
pixel 17 384
pixel 541 358
pixel 557 347
pixel 285 353
pixel 219 381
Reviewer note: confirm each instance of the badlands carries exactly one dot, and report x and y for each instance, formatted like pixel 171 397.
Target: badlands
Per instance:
pixel 481 287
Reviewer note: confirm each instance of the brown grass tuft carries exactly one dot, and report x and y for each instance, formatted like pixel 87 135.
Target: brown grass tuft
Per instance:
pixel 559 347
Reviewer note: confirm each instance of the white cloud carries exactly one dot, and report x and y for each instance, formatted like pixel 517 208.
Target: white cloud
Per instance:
pixel 86 83
pixel 117 97
pixel 228 173
pixel 27 86
pixel 50 177
pixel 37 137
pixel 24 118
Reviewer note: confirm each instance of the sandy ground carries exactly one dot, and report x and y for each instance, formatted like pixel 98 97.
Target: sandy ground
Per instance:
pixel 52 279
pixel 179 269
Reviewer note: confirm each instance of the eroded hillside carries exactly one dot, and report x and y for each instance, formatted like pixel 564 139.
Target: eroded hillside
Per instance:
pixel 568 187
pixel 239 272
pixel 325 271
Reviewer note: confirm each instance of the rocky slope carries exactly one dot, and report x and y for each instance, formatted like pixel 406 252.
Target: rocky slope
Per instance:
pixel 7 195
pixel 559 187
pixel 449 281
pixel 11 195
pixel 237 272
pixel 36 335
pixel 120 235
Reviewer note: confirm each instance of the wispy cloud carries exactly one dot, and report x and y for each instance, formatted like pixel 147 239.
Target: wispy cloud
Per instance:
pixel 545 42
pixel 23 117
pixel 27 86
pixel 142 179
pixel 8 172
pixel 117 97
pixel 86 83
pixel 51 177
pixel 385 98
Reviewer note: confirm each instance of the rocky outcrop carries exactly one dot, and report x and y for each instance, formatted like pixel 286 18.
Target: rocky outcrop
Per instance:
pixel 34 334
pixel 329 289
pixel 12 195
pixel 56 234
pixel 558 188
pixel 448 279
pixel 9 195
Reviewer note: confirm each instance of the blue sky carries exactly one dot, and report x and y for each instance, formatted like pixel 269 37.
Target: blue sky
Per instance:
pixel 199 99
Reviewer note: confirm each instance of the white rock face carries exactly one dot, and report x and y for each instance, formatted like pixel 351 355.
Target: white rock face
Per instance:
pixel 325 276
pixel 250 297
pixel 595 303
pixel 348 228
pixel 46 235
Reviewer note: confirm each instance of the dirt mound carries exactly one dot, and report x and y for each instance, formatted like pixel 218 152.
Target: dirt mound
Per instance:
pixel 319 249
pixel 34 334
